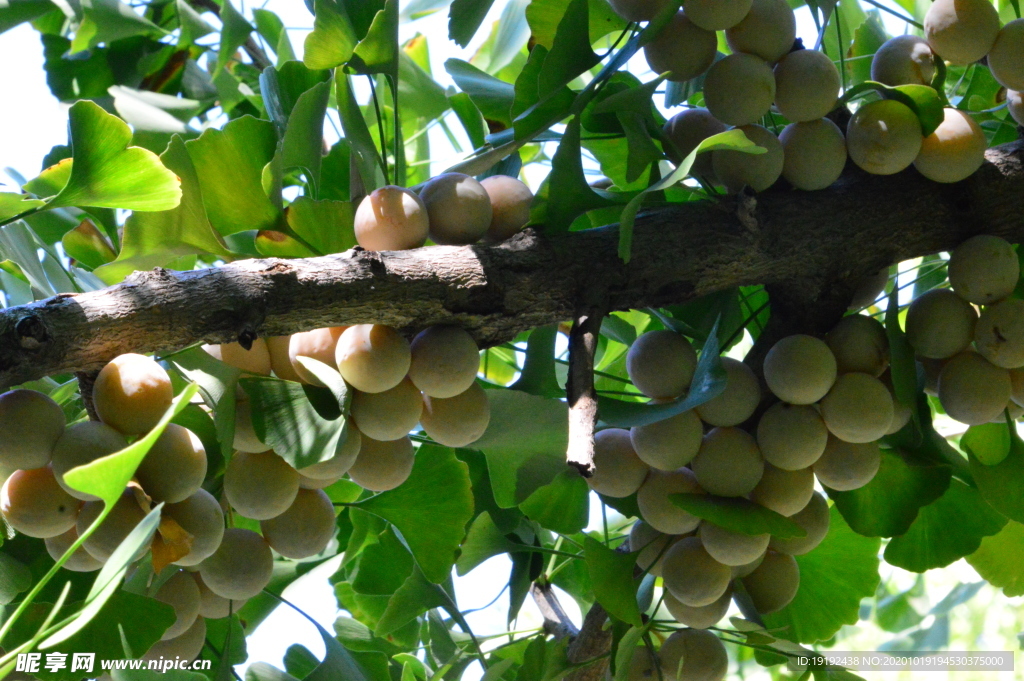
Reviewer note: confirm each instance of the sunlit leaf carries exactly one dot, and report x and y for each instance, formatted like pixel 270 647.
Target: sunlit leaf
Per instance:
pixel 1000 559
pixel 611 573
pixel 333 37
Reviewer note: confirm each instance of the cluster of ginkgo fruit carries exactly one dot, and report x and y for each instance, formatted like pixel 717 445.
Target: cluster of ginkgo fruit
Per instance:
pixel 767 72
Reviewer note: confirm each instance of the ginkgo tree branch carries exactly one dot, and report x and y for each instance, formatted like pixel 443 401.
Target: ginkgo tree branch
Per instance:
pixel 814 246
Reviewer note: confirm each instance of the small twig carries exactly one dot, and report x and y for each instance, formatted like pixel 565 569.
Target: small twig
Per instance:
pixel 86 379
pixel 556 622
pixel 580 391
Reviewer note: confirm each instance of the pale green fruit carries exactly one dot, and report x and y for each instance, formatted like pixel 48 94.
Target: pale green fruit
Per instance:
pixel 651 544
pixel 336 466
pixel 115 528
pixel 30 425
pixel 277 348
pixel 305 529
pixel 858 408
pixel 670 443
pixel 241 567
pixel 785 492
pixel 131 394
pixel 869 288
pixel 201 516
pixel 661 364
pixel 682 48
pixel 768 30
pixel 738 401
pixel 186 647
pixel 790 436
pixel 181 593
pixel 260 485
pixel 255 360
pixel 391 219
pixel 814 519
pixel 846 466
pixel 729 463
pixel 372 358
pixel 692 575
pixel 739 89
pixel 731 548
pixel 318 344
pixel 458 207
pixel 716 15
pixel 884 136
pixel 388 415
pixel 859 344
pixel 83 443
pixel 1015 105
pixel 814 155
pixel 903 60
pixel 999 334
pixel 642 665
pixel 34 504
pixel 773 585
pixel 637 10
pixel 657 509
pixel 702 617
pixel 245 437
pixel 800 369
pixel 972 390
pixel 693 655
pixel 457 421
pixel 686 130
pixel 175 466
pixel 741 571
pixel 80 560
pixel 954 151
pixel 510 206
pixel 383 465
pixel 806 85
pixel 736 169
pixel 444 361
pixel 983 269
pixel 313 483
pixel 618 471
pixel 212 606
pixel 901 415
pixel 961 31
pixel 940 324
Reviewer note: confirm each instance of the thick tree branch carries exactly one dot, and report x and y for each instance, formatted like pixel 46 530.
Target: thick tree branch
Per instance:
pixel 556 621
pixel 818 244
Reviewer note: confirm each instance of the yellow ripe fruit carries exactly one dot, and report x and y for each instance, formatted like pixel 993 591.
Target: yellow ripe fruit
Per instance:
pixel 277 350
pixel 670 443
pixel 80 444
pixel 637 10
pixel 846 466
pixel 739 89
pixel 702 617
pixel 1015 105
pixel 716 15
pixel 651 544
pixel 806 85
pixel 682 48
pixel 731 548
pixel 34 504
pixel 305 529
pixel 255 360
pixel 954 151
pixel 736 169
pixel 459 209
pixel 972 390
pixel 657 509
pixel 318 344
pixel 814 519
pixel 445 361
pixel 738 401
pixel 729 463
pixel 661 364
pixel 336 466
pixel 785 492
pixel 391 219
pixel 245 438
pixel 686 130
pixel 884 137
pixel 903 60
pixel 791 437
pixel 692 575
pixel 30 425
pixel 260 485
pixel 510 207
pixel 961 31
pixel 185 647
pixel 181 593
pixel 800 369
pixel 212 606
pixel 202 517
pixel 814 155
pixel 381 466
pixel 372 358
pixel 388 415
pixel 115 528
pixel 940 324
pixel 618 471
pixel 768 30
pixel 241 567
pixel 859 344
pixel 773 585
pixel 131 393
pixel 999 334
pixel 693 655
pixel 80 560
pixel 175 466
pixel 456 421
pixel 858 408
pixel 983 269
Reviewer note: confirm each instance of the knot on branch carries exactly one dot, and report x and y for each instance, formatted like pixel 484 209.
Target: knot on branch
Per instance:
pixel 31 332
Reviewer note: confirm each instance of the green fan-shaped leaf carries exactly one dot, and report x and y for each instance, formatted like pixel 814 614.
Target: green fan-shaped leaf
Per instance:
pixel 108 173
pixel 16 12
pixel 12 204
pixel 377 52
pixel 545 15
pixel 325 225
pixel 1000 559
pixel 333 37
pixel 738 515
pixel 483 541
pixel 998 469
pixel 611 574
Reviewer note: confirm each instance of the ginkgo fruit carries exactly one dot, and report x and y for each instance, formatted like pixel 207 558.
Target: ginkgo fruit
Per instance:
pixel 940 324
pixel 336 466
pixel 858 408
pixel 972 390
pixel 869 288
pixel 80 444
pixel 773 585
pixel 510 207
pixel 806 85
pixel 903 60
pixel 661 364
pixel 800 369
pixel 383 465
pixel 202 517
pixel 34 504
pixel 729 547
pixel 241 567
pixel 318 344
pixel 458 208
pixel 391 218
pixel 181 593
pixel 954 151
pixel 114 529
pixel 790 436
pixel 255 360
pixel 185 647
pixel 768 30
pixel 814 520
pixel 685 131
pixel 884 136
pixel 372 358
pixel 618 471
pixel 999 333
pixel 859 344
pixel 390 414
pixel 729 463
pixel 280 363
pixel 657 509
pixel 692 575
pixel 683 49
pixel 30 425
pixel 212 606
pixel 444 361
pixel 785 492
pixel 456 421
pixel 245 438
pixel 741 571
pixel 80 560
pixel 716 15
pixel 846 466
pixel 670 443
pixel 131 393
pixel 305 529
pixel 736 169
pixel 814 154
pixel 175 466
pixel 961 31
pixel 260 485
pixel 650 544
pixel 693 655
pixel 1015 105
pixel 739 89
pixel 737 402
pixel 698 617
pixel 983 269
